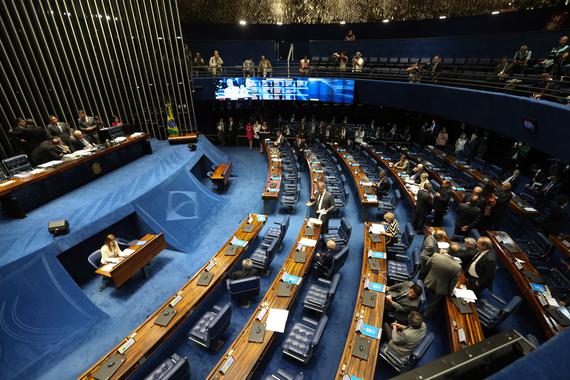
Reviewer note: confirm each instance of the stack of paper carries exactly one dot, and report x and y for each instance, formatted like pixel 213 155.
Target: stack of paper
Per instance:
pixel 276 320
pixel 239 242
pixel 377 228
pixel 308 242
pixel 313 221
pixel 465 294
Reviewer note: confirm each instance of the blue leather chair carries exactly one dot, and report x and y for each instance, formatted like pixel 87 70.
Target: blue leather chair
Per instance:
pixel 243 288
pixel 389 203
pixel 406 239
pixel 303 339
pixel 340 234
pixel 263 255
pixel 173 368
pixel 538 249
pixel 335 264
pixel 406 363
pixel 491 313
pixel 95 259
pixel 320 295
pixel 211 325
pixel 403 267
pixel 281 374
pixel 17 164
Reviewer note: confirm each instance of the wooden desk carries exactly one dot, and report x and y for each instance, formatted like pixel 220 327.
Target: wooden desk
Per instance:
pixel 548 325
pixel 142 255
pixel 316 170
pixel 19 195
pixel 455 320
pixel 183 139
pixel 483 178
pixel 558 241
pixel 351 365
pixel 222 174
pixel 358 176
pixel 395 173
pixel 274 175
pixel 247 355
pixel 149 336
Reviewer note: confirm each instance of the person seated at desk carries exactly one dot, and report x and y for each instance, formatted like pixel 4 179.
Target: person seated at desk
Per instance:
pixel 359 135
pixel 424 178
pixel 392 228
pixel 417 172
pixel 247 270
pixel 80 141
pixel 481 271
pixel 401 299
pixel 49 150
pixel 403 164
pixel 382 187
pixel 279 140
pixel 110 251
pixel 403 339
pixel 325 257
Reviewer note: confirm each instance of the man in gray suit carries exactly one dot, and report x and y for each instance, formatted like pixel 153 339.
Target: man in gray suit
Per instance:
pixel 430 246
pixel 324 204
pixel 400 300
pixel 58 129
pixel 443 273
pixel 403 339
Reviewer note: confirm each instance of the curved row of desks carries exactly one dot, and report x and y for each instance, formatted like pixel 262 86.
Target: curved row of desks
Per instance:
pixel 123 360
pixel 316 170
pixel 274 175
pixel 243 356
pixel 456 321
pixel 360 351
pixel 513 257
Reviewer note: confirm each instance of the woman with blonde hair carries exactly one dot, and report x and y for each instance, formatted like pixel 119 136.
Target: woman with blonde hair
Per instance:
pixel 392 228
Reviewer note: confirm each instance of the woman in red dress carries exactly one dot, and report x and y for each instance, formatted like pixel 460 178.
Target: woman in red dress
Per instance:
pixel 249 134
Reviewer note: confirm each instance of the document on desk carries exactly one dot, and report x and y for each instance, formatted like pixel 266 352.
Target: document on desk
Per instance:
pixel 127 252
pixel 465 294
pixel 108 267
pixel 239 242
pixel 530 209
pixel 308 242
pixel 276 320
pixel 377 229
pixel 291 279
pixel 376 254
pixel 141 242
pixel 261 218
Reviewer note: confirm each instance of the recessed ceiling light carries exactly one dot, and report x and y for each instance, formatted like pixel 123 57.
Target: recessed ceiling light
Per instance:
pixel 242 22
pixel 279 23
pixel 442 17
pixel 342 22
pixel 386 20
pixel 495 12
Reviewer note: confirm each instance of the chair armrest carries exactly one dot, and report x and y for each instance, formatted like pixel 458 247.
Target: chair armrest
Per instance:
pixel 320 329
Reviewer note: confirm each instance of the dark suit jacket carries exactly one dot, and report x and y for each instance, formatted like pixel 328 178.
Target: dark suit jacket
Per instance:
pixel 424 203
pixel 244 273
pixel 552 190
pixel 382 187
pixel 326 256
pixel 486 268
pixel 443 273
pixel 402 307
pixel 466 255
pixel 514 181
pixel 31 136
pixel 45 152
pixel 64 134
pixel 440 203
pixel 328 203
pixel 467 215
pixel 78 145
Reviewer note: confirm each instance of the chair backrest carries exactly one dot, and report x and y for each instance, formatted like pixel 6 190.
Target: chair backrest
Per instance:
pixel 345 227
pixel 436 186
pixel 340 258
pixel 95 259
pixel 543 242
pixel 421 348
pixel 17 164
pixel 408 235
pixel 221 320
pixel 511 306
pixel 397 196
pixel 243 284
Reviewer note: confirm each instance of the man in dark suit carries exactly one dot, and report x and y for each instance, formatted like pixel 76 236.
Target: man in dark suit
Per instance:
pixel 424 205
pixel 429 247
pixel 324 204
pixel 440 202
pixel 86 124
pixel 504 196
pixel 26 137
pixel 443 273
pixel 552 187
pixel 477 192
pixel 467 216
pixel 382 187
pixel 80 141
pixel 400 300
pixel 325 257
pixel 56 128
pixel 481 271
pixel 49 150
pixel 465 253
pixel 247 270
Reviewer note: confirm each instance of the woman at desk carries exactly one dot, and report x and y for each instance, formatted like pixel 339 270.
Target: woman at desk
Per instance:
pixel 403 164
pixel 110 251
pixel 392 228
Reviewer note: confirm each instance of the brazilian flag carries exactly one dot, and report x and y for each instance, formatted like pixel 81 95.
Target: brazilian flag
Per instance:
pixel 171 126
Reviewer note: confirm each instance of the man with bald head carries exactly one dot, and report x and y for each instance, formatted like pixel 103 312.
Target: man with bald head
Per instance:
pixel 79 141
pixel 477 192
pixel 481 271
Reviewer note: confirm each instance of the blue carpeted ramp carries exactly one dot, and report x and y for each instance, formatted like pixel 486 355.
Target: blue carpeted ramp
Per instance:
pixel 41 311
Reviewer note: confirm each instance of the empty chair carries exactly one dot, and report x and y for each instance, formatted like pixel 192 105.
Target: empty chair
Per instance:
pixel 17 164
pixel 405 364
pixel 538 249
pixel 264 255
pixel 403 267
pixel 303 339
pixel 492 313
pixel 173 368
pixel 211 325
pixel 95 259
pixel 320 295
pixel 243 288
pixel 333 266
pixel 340 234
pixel 281 374
pixel 389 203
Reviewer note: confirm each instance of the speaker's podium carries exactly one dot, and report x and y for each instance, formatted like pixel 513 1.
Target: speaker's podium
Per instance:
pixel 185 138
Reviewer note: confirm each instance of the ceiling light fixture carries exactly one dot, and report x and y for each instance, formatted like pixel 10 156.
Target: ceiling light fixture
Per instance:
pixel 242 22
pixel 279 23
pixel 342 22
pixel 495 12
pixel 386 20
pixel 442 17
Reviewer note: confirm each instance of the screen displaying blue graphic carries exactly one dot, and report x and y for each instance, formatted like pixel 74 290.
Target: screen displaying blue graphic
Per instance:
pixel 304 89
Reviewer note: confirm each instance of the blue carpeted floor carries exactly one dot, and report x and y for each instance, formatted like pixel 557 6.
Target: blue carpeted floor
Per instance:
pixel 119 311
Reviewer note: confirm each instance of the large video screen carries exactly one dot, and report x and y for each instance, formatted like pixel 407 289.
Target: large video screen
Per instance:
pixel 304 89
